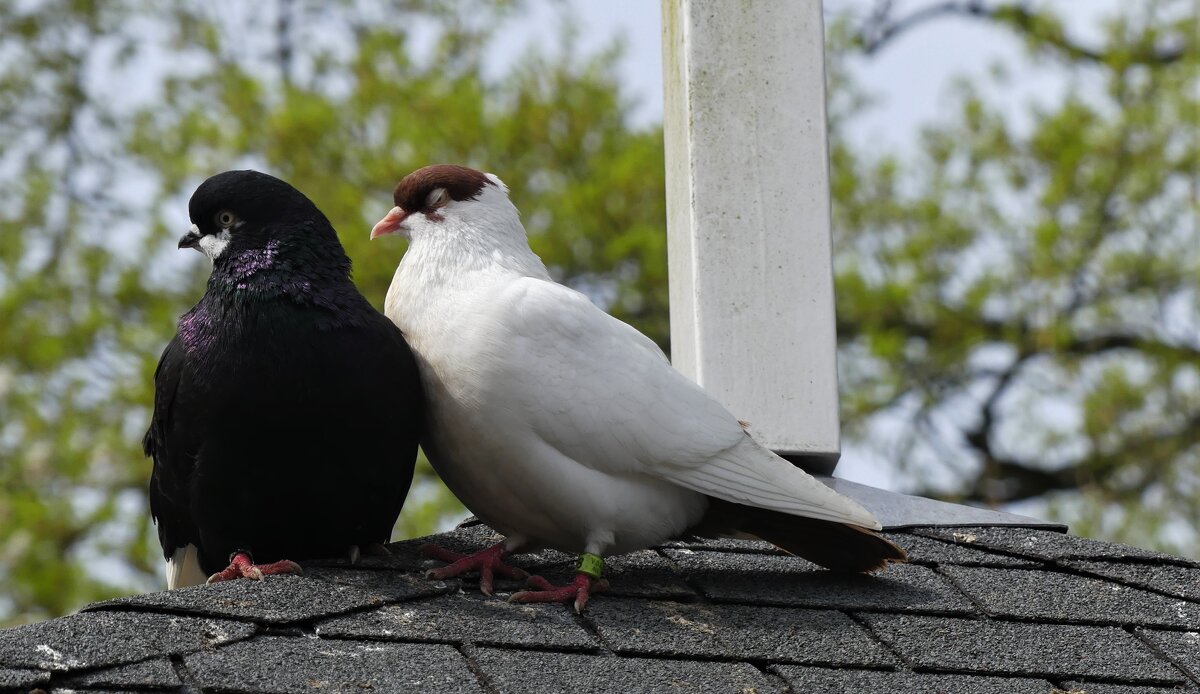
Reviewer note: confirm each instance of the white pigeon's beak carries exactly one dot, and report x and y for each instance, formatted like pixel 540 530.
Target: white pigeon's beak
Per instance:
pixel 191 239
pixel 390 223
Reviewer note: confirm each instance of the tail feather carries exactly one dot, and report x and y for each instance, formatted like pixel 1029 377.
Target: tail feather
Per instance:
pixel 749 474
pixel 835 546
pixel 183 568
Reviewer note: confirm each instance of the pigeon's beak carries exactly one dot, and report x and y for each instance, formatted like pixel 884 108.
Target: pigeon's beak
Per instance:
pixel 191 239
pixel 390 223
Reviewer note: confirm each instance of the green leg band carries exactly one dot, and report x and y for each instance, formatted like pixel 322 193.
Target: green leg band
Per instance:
pixel 590 564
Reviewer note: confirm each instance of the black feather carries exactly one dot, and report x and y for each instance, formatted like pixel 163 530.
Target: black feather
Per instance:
pixel 287 410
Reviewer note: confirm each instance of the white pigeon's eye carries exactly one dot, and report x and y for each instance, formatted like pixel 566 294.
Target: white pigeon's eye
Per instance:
pixel 226 219
pixel 437 198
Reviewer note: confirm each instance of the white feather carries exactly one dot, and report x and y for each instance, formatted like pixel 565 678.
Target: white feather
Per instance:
pixel 213 245
pixel 183 568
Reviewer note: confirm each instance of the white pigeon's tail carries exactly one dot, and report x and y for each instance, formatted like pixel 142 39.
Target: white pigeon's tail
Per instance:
pixel 754 492
pixel 751 475
pixel 836 546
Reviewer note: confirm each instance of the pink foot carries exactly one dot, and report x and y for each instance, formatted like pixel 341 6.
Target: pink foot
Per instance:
pixel 578 591
pixel 487 563
pixel 242 566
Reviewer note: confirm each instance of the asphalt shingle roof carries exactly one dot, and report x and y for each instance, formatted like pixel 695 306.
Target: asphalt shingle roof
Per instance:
pixel 978 610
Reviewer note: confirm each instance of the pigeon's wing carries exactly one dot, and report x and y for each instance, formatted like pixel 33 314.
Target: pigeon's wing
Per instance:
pixel 166 382
pixel 172 442
pixel 604 395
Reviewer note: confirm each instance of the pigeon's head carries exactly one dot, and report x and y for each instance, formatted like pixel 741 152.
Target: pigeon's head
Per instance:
pixel 445 199
pixel 239 211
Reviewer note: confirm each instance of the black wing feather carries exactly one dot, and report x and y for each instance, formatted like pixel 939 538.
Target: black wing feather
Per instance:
pixel 173 449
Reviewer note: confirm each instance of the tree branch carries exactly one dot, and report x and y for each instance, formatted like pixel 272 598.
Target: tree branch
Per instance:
pixel 1017 333
pixel 880 28
pixel 1011 480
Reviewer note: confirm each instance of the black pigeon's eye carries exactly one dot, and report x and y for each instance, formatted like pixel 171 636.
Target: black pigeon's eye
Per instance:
pixel 226 219
pixel 437 198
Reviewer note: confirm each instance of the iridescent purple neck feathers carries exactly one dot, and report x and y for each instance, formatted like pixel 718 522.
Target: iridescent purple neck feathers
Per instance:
pixel 251 289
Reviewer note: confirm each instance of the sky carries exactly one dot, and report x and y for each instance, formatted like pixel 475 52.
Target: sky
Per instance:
pixel 938 52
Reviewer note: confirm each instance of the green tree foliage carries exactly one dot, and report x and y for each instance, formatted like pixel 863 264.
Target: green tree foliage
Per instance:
pixel 1021 299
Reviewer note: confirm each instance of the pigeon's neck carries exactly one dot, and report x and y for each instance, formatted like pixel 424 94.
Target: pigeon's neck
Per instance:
pixel 447 261
pixel 314 278
pixel 258 309
pixel 277 270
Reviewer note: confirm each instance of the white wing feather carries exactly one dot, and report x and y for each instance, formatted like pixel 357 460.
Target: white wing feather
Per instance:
pixel 605 396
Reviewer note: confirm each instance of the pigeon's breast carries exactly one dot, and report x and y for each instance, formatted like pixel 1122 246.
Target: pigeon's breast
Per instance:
pixel 483 447
pixel 525 489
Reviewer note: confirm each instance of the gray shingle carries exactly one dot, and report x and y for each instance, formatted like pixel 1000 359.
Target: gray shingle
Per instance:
pixel 723 544
pixel 1060 597
pixel 1182 647
pixel 156 673
pixel 694 562
pixel 524 672
pixel 12 677
pixel 645 574
pixel 1179 581
pixel 1047 545
pixel 286 599
pixel 826 681
pixel 100 690
pixel 1054 651
pixel 734 631
pixel 99 639
pixel 465 539
pixel 468 618
pixel 474 538
pixel 675 619
pixel 271 664
pixel 544 561
pixel 1094 688
pixel 398 557
pixel 926 550
pixel 784 580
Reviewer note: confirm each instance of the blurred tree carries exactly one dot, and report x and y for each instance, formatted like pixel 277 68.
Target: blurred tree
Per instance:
pixel 1022 299
pixel 111 113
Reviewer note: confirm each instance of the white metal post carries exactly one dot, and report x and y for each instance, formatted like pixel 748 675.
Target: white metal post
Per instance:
pixel 749 247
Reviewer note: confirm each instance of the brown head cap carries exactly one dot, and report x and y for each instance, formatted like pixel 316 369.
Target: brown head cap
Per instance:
pixel 460 183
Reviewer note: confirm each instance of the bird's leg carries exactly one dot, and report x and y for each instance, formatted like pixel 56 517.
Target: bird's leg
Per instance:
pixel 587 581
pixel 242 566
pixel 487 563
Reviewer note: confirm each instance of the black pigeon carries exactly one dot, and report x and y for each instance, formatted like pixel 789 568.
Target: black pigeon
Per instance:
pixel 287 410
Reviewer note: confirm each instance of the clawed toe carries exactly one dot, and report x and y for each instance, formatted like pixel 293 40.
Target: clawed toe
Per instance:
pixel 577 592
pixel 488 563
pixel 242 566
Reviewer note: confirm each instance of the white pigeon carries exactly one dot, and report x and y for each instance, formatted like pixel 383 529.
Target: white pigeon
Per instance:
pixel 563 427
